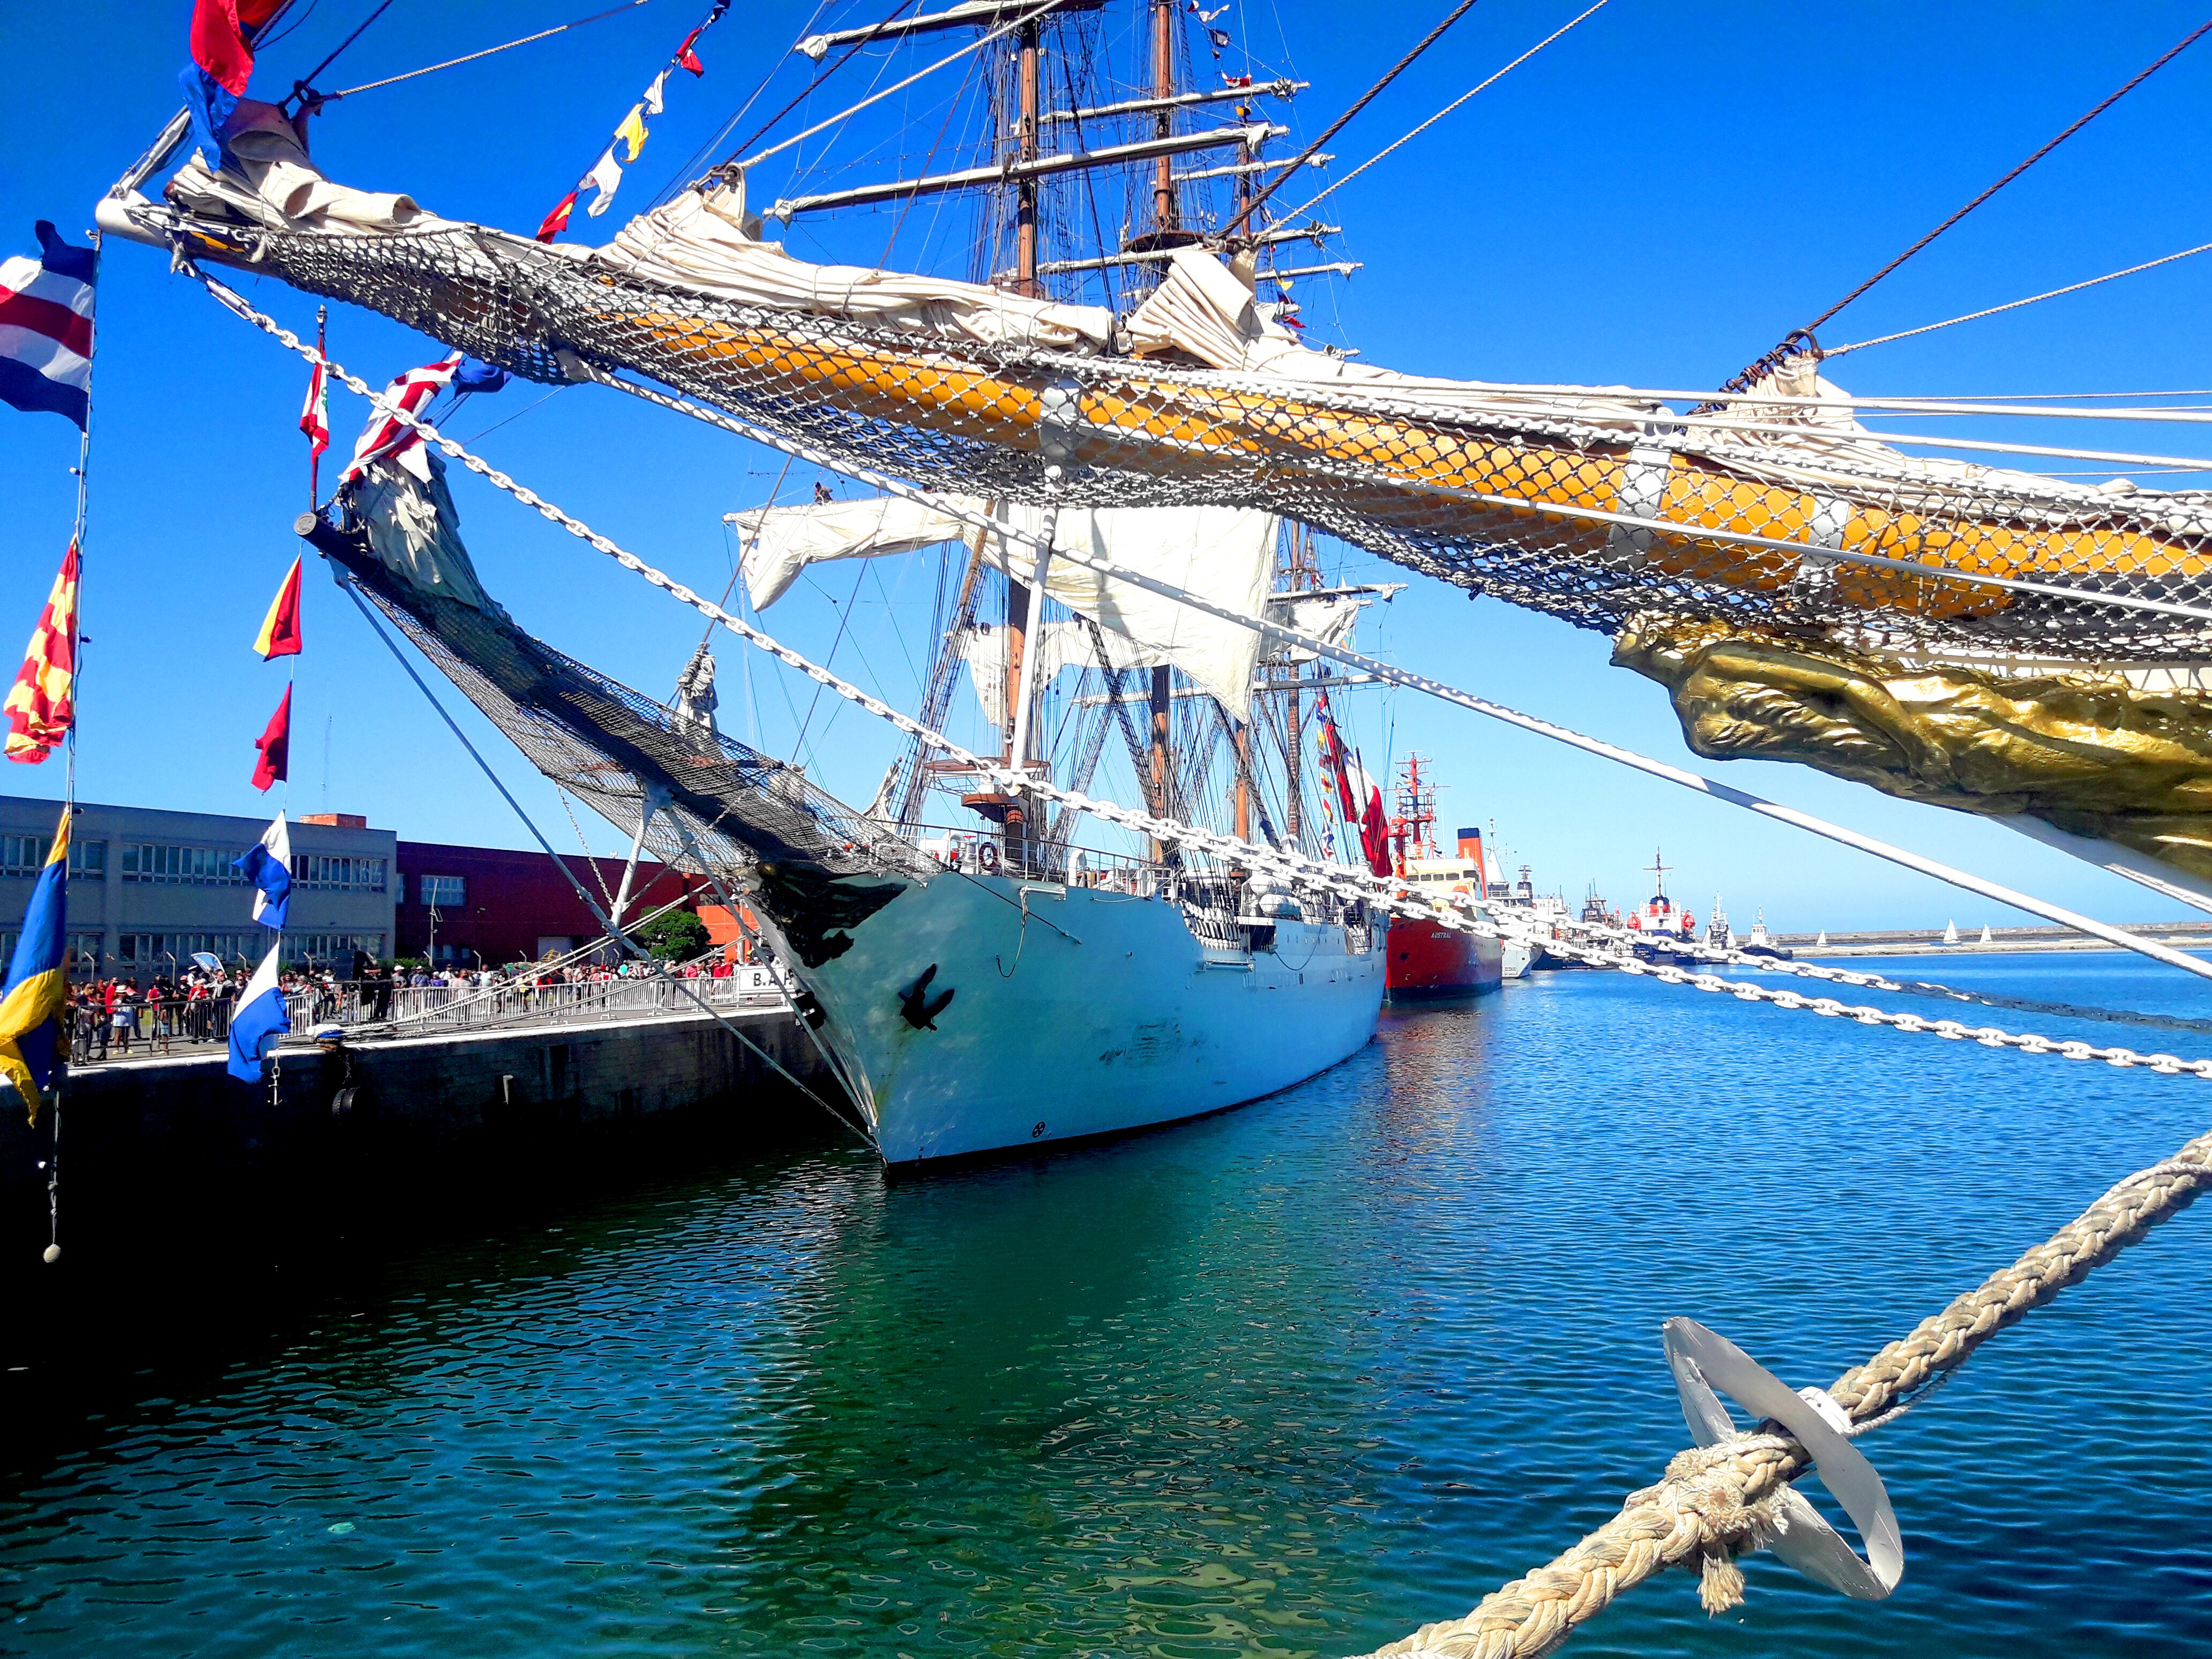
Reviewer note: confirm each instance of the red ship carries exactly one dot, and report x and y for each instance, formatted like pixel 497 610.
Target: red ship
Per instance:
pixel 1428 961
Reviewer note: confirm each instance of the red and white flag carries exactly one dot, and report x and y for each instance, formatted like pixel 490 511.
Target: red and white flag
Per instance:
pixel 45 328
pixel 386 438
pixel 315 414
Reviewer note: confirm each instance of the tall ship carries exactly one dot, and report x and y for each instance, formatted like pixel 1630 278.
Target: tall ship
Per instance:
pixel 982 974
pixel 1428 960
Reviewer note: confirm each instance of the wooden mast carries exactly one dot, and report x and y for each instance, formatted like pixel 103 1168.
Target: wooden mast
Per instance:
pixel 1165 218
pixel 1028 88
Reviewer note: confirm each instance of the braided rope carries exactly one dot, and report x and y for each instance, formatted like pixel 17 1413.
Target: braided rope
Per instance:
pixel 1711 1502
pixel 1308 873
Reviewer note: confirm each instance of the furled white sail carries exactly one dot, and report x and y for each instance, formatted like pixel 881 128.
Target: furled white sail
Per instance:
pixel 1222 554
pixel 780 541
pixel 706 243
pixel 1332 616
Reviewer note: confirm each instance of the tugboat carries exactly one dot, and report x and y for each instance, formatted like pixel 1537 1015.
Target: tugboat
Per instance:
pixel 1428 961
pixel 1718 934
pixel 1660 928
pixel 1760 945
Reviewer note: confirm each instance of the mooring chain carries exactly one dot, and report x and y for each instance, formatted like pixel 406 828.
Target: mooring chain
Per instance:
pixel 1371 891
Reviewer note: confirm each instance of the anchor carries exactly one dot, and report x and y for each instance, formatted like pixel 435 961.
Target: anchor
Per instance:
pixel 920 1008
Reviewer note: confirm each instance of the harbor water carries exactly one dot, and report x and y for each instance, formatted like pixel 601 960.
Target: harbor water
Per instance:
pixel 1287 1381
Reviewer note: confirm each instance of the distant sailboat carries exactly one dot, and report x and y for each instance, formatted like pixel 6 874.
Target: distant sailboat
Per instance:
pixel 1823 939
pixel 1950 933
pixel 1985 938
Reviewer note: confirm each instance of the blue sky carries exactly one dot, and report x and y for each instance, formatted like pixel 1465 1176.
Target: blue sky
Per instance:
pixel 1653 200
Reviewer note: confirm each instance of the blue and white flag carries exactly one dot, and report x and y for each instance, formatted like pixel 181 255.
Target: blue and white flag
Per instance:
pixel 259 1020
pixel 268 865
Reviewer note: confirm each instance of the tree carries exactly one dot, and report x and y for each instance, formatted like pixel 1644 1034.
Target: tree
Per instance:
pixel 676 937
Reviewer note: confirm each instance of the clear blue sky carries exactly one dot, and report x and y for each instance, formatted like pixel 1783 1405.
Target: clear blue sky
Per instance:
pixel 1654 200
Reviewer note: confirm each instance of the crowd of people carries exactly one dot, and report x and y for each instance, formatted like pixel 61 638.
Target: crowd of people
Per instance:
pixel 113 1016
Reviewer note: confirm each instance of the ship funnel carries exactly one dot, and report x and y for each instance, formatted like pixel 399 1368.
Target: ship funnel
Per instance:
pixel 1470 844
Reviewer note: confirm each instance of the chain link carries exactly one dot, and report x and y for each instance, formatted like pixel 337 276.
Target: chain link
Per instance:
pixel 1372 891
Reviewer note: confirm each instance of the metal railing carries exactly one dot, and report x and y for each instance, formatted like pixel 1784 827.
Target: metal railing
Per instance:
pixel 381 1009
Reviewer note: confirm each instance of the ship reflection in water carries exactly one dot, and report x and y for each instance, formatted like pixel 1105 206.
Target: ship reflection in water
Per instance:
pixel 1288 1379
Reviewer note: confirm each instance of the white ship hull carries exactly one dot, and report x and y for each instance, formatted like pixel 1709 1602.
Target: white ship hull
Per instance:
pixel 1076 1012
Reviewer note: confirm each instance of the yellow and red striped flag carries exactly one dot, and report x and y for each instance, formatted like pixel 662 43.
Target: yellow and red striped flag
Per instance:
pixel 37 705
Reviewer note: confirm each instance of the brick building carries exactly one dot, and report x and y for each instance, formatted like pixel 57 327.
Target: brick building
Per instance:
pixel 496 906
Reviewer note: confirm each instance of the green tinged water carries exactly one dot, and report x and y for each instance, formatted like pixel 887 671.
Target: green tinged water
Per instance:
pixel 1288 1381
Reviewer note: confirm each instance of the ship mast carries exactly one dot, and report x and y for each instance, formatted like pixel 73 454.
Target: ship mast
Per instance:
pixel 1166 217
pixel 1028 104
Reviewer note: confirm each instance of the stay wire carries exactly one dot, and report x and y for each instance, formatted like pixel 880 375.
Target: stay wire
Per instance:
pixel 1337 185
pixel 488 52
pixel 1343 120
pixel 2033 299
pixel 613 932
pixel 820 76
pixel 2141 76
pixel 299 88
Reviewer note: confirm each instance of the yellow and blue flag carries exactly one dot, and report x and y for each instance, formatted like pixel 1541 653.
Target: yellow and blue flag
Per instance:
pixel 36 990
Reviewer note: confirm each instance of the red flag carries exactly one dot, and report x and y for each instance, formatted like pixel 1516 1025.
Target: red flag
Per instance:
pixel 39 707
pixel 315 413
pixel 686 57
pixel 275 746
pixel 557 221
pixel 280 629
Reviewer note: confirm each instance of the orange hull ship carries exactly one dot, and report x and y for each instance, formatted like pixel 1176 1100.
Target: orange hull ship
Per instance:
pixel 1428 961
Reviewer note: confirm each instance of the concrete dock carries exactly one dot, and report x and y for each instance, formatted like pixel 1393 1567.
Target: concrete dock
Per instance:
pixel 145 1143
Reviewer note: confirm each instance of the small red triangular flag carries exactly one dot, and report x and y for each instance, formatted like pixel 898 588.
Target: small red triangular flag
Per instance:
pixel 686 57
pixel 275 745
pixel 557 221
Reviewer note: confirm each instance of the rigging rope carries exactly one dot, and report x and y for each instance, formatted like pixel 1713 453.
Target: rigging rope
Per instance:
pixel 454 62
pixel 1309 206
pixel 1296 867
pixel 1790 345
pixel 1716 1502
pixel 299 88
pixel 977 44
pixel 606 923
pixel 1976 316
pixel 821 75
pixel 1343 120
pixel 2141 76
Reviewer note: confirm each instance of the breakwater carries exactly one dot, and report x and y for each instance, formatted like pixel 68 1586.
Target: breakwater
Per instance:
pixel 1922 941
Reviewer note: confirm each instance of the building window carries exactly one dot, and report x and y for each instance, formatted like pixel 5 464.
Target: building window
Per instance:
pixel 199 867
pixel 88 860
pixel 345 871
pixel 444 892
pixel 174 952
pixel 23 855
pixel 399 887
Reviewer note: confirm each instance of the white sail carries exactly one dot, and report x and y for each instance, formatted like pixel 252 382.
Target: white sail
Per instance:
pixel 1222 554
pixel 782 541
pixel 1062 645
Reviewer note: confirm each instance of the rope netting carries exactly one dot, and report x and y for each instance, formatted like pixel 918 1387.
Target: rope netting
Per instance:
pixel 1585 506
pixel 589 744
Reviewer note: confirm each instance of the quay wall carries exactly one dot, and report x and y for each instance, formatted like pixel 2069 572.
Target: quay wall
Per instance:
pixel 146 1143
